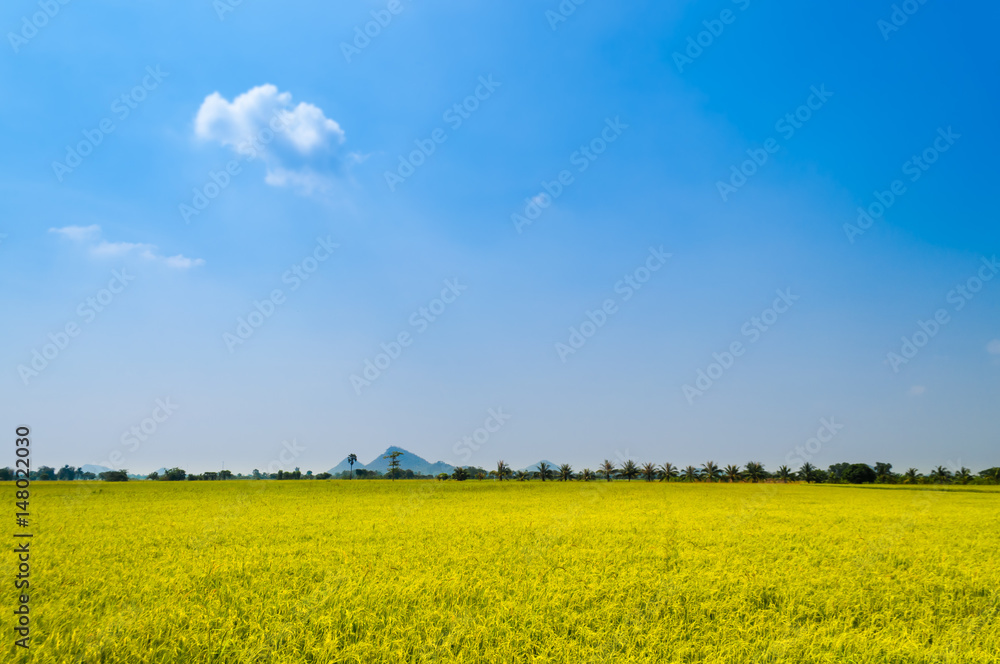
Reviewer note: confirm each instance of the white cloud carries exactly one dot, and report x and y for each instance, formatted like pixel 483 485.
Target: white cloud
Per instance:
pixel 295 141
pixel 183 262
pixel 993 347
pixel 917 390
pixel 78 233
pixel 104 249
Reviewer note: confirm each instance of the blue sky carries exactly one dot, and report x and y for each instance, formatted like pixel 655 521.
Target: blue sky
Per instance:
pixel 308 213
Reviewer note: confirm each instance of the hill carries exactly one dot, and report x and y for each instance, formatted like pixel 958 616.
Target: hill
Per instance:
pixel 409 461
pixel 343 467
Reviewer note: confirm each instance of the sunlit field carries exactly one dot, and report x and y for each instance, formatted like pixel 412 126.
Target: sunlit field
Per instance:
pixel 379 571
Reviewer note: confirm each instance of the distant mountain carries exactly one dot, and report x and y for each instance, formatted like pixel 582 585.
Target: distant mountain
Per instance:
pixel 409 461
pixel 343 467
pixel 534 468
pixel 97 470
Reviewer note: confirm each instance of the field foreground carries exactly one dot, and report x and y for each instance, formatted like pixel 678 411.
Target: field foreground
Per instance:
pixel 378 571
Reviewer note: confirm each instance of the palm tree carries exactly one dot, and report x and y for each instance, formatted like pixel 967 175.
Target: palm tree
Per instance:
pixel 755 471
pixel 784 473
pixel 711 471
pixel 992 474
pixel 565 472
pixel 732 473
pixel 806 471
pixel 691 474
pixel 668 471
pixel 521 476
pixel 460 474
pixel 503 470
pixel 587 475
pixel 544 470
pixel 607 470
pixel 940 474
pixel 649 471
pixel 352 459
pixel 911 475
pixel 629 470
pixel 964 476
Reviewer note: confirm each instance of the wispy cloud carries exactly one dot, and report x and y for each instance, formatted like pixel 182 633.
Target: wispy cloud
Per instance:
pixel 917 390
pixel 90 235
pixel 78 233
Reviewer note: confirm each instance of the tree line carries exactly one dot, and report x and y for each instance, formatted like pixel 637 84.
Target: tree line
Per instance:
pixel 752 471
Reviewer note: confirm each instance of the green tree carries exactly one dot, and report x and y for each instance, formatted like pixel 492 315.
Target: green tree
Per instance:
pixel 940 475
pixel 587 475
pixel 963 476
pixel 883 472
pixel 629 470
pixel 860 473
pixel 607 470
pixel 732 473
pixel 806 472
pixel 352 459
pixel 393 463
pixel 755 471
pixel 710 471
pixel 911 475
pixel 691 474
pixel 153 476
pixel 668 472
pixel 544 471
pixel 649 471
pixel 174 475
pixel 991 475
pixel 503 470
pixel 565 472
pixel 115 476
pixel 521 476
pixel 460 474
pixel 784 473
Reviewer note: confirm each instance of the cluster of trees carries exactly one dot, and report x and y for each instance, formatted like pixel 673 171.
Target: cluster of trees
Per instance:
pixel 753 471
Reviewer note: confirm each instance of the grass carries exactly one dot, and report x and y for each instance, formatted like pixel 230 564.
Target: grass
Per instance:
pixel 376 571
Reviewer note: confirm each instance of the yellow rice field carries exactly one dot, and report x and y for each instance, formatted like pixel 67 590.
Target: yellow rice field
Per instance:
pixel 418 571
